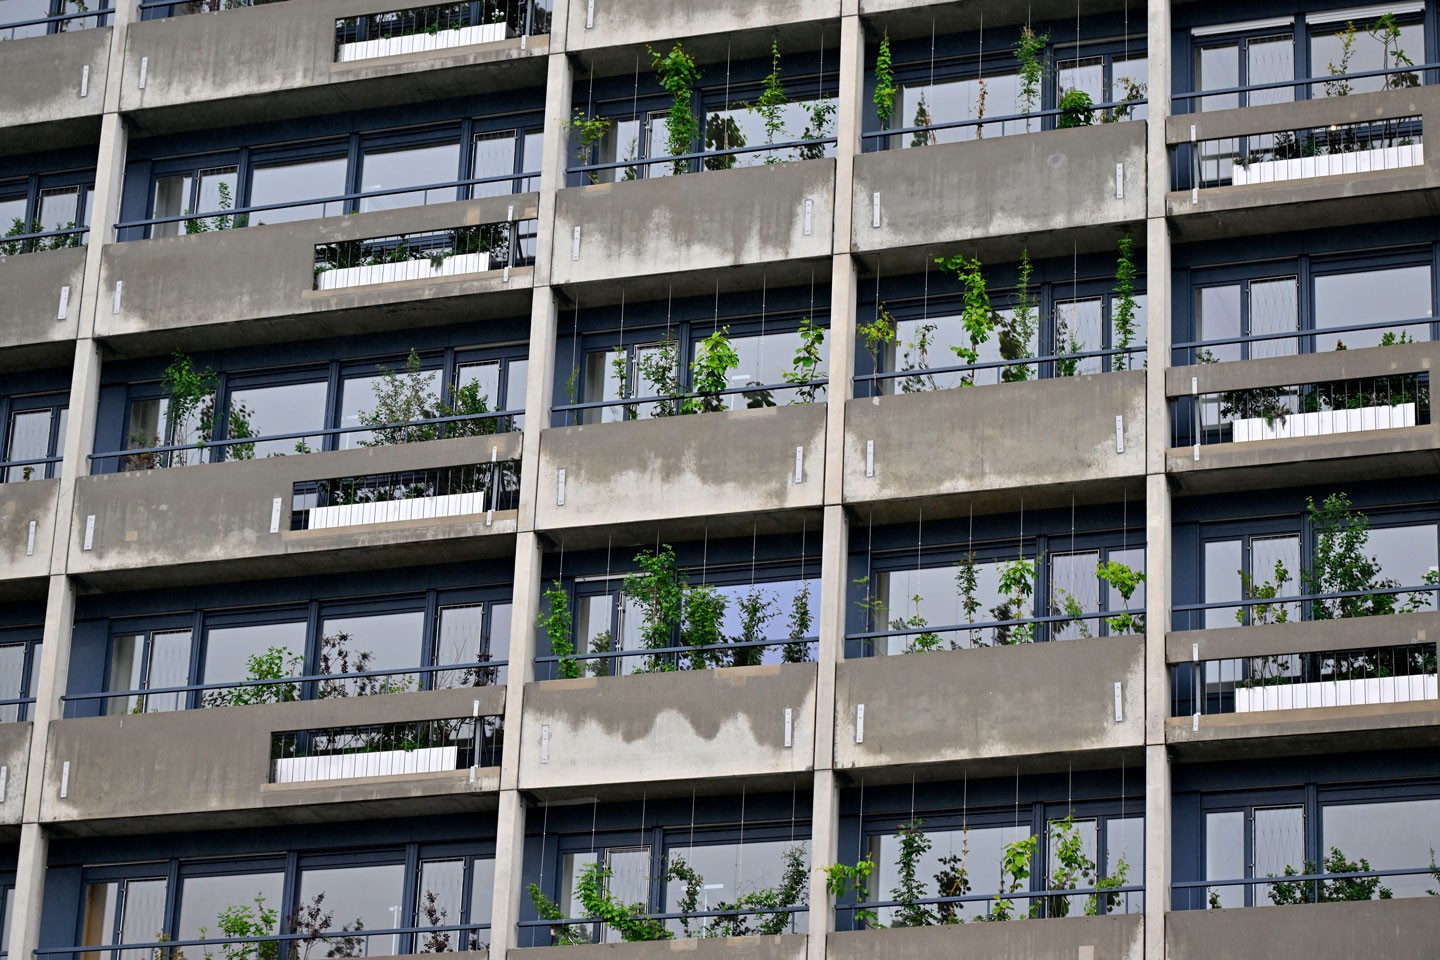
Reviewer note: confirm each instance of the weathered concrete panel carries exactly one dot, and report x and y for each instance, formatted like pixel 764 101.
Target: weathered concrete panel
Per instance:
pixel 742 461
pixel 156 765
pixel 1393 929
pixel 999 186
pixel 1301 368
pixel 1372 726
pixel 1100 938
pixel 790 947
pixel 15 758
pixel 668 726
pixel 218 513
pixel 701 221
pixel 31 286
pixel 995 702
pixel 1310 636
pixel 210 278
pixel 621 22
pixel 995 437
pixel 20 504
pixel 41 77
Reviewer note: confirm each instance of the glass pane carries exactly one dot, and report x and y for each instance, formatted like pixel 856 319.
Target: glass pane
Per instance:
pixel 572 866
pixel 1125 849
pixel 978 850
pixel 731 871
pixel 357 396
pixel 629 880
pixel 127 666
pixel 1074 589
pixel 1274 308
pixel 358 898
pixel 12 679
pixel 620 143
pixel 60 210
pixel 1279 842
pixel 360 644
pixel 463 640
pixel 204 899
pixel 438 900
pixel 1225 857
pixel 1130 80
pixel 6 908
pixel 142 917
pixel 530 161
pixel 602 382
pixel 29 440
pixel 172 199
pixel 1373 296
pixel 494 156
pixel 1219 69
pixel 230 650
pixel 145 430
pixel 1270 60
pixel 299 180
pixel 21 11
pixel 58 450
pixel 957 100
pixel 517 376
pixel 1391 836
pixel 1406 554
pixel 659 146
pixel 482 898
pixel 1086 74
pixel 1134 558
pixel 764 360
pixel 1368 52
pixel 592 625
pixel 740 126
pixel 778 596
pixel 217 192
pixel 1079 328
pixel 410 166
pixel 487 375
pixel 169 667
pixel 101 900
pixel 269 411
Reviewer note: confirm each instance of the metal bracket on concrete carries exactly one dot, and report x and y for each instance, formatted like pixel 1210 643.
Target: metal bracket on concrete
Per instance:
pixel 1119 702
pixel 475 708
pixel 1119 181
pixel 869 458
pixel 560 491
pixel 575 244
pixel 799 464
pixel 65 780
pixel 490 514
pixel 590 15
pixel 4 781
pixel 809 217
pixel 275 515
pixel 30 540
pixel 789 727
pixel 90 531
pixel 875 209
pixel 860 723
pixel 1195 392
pixel 1119 433
pixel 119 295
pixel 85 81
pixel 64 310
pixel 1195 652
pixel 545 743
pixel 144 70
pixel 524 38
pixel 1195 723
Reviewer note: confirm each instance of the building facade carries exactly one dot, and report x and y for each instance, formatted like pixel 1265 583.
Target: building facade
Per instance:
pixel 791 479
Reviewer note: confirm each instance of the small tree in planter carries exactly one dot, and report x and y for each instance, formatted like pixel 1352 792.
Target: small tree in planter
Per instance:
pixel 1014 876
pixel 407 397
pixel 658 589
pixel 805 369
pixel 678 74
pixel 1328 891
pixel 1125 306
pixel 878 334
pixel 1017 587
pixel 1030 59
pixel 715 360
pixel 270 669
pixel 1125 581
pixel 797 648
pixel 590 130
pixel 757 609
pixel 1077 110
pixel 558 624
pixel 885 89
pixel 703 611
pixel 977 317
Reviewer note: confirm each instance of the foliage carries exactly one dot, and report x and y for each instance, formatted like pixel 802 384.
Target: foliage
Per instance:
pixel 1067 346
pixel 275 664
pixel 878 334
pixel 1342 88
pixel 756 610
pixel 591 130
pixel 923 642
pixel 913 845
pixel 19 228
pixel 805 368
pixel 1077 110
pixel 559 627
pixel 1019 329
pixel 1029 54
pixel 923 137
pixel 191 393
pixel 225 201
pixel 885 88
pixel 841 878
pixel 703 613
pixel 660 368
pixel 1340 564
pixel 1265 613
pixel 819 115
pixel 976 317
pixel 407 397
pixel 1014 874
pixel 1135 90
pixel 722 132
pixel 314 923
pixel 1017 586
pixel 797 648
pixel 715 360
pixel 967 583
pixel 1328 891
pixel 658 590
pixel 678 74
pixel 1073 869
pixel 1125 581
pixel 1387 31
pixel 563 934
pixel 245 923
pixel 1124 306
pixel 628 920
pixel 736 918
pixel 772 100
pixel 916 356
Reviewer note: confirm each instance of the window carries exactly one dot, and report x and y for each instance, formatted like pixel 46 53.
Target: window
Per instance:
pixel 359 897
pixel 1258 841
pixel 7 906
pixel 392 167
pixel 978 843
pixel 1370 50
pixel 32 428
pixel 376 641
pixel 23 11
pixel 1249 308
pixel 1241 62
pixel 1106 78
pixel 442 900
pixel 947 101
pixel 275 410
pixel 204 896
pixel 206 190
pixel 229 650
pixel 1392 295
pixel 42 203
pixel 1260 560
pixel 19 671
pixel 495 154
pixel 629 882
pixel 153 660
pixel 123 911
pixel 1388 834
pixel 730 871
pixel 288 182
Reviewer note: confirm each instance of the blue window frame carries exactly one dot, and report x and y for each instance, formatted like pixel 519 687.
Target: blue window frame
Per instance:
pixel 45 203
pixel 19 670
pixel 54 16
pixel 32 428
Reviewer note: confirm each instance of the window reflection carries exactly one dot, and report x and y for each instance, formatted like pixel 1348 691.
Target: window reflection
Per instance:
pixel 358 898
pixel 1390 835
pixel 1372 296
pixel 365 643
pixel 975 844
pixel 204 898
pixel 298 180
pixel 268 411
pixel 405 167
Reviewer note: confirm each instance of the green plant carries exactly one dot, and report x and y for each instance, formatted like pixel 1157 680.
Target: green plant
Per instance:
pixel 1342 88
pixel 1017 586
pixel 757 609
pixel 1017 332
pixel 1113 881
pixel 660 371
pixel 1265 613
pixel 772 100
pixel 909 888
pixel 841 878
pixel 819 115
pixel 191 392
pixel 628 920
pixel 715 360
pixel 658 590
pixel 563 934
pixel 1029 58
pixel 805 368
pixel 1387 31
pixel 953 879
pixel 1014 874
pixel 878 334
pixel 977 317
pixel 267 669
pixel 736 918
pixel 558 624
pixel 703 611
pixel 1077 110
pixel 1124 305
pixel 967 583
pixel 797 648
pixel 722 132
pixel 923 137
pixel 407 397
pixel 1340 565
pixel 1125 581
pixel 678 74
pixel 885 89
pixel 1073 868
pixel 245 923
pixel 1135 90
pixel 1328 891
pixel 923 642
pixel 916 356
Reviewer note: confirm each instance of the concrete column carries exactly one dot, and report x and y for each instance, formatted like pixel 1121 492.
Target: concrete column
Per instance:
pixel 544 319
pixel 1157 849
pixel 1158 93
pixel 824 850
pixel 29 890
pixel 554 156
pixel 831 625
pixel 509 873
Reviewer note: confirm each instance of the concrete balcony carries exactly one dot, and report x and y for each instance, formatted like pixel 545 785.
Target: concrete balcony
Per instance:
pixel 1338 457
pixel 274 61
pixel 233 519
pixel 1375 721
pixel 41 293
pixel 256 281
pixel 1393 929
pixel 790 947
pixel 734 464
pixel 705 725
pixel 626 22
pixel 1056 433
pixel 1101 938
pixel 215 766
pixel 25 549
pixel 15 762
pixel 1086 178
pixel 695 222
pixel 54 90
pixel 1307 202
pixel 999 703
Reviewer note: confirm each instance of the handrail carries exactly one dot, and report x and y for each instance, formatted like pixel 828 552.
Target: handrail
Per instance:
pixel 993 624
pixel 665 651
pixel 1307 81
pixel 987 121
pixel 984 897
pixel 1304 598
pixel 42 461
pixel 342 198
pixel 313 678
pixel 1305 332
pixel 1302 878
pixel 692 915
pixel 992 364
pixel 115 948
pixel 57 18
pixel 321 432
pixel 703 155
pixel 727 392
pixel 42 235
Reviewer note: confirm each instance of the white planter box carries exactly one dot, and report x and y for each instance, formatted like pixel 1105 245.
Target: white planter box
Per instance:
pixel 1324 423
pixel 1335 693
pixel 396 511
pixel 407 270
pixel 349 766
pixel 1330 165
pixel 421 42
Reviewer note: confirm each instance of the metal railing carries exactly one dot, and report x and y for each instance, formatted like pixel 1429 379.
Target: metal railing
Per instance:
pixel 385 749
pixel 158 457
pixel 1034 911
pixel 61 238
pixel 873 139
pixel 165 9
pixel 1050 367
pixel 689 159
pixel 60 21
pixel 673 404
pixel 435 493
pixel 1302 681
pixel 1191 351
pixel 406 256
pixel 1203 894
pixel 19 704
pixel 734 914
pixel 315 686
pixel 1301 84
pixel 241 214
pixel 1190 616
pixel 513 18
pixel 349 943
pixel 7 465
pixel 1003 633
pixel 740 653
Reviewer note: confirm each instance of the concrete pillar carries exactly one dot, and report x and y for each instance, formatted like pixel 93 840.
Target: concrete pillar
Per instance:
pixel 554 157
pixel 824 850
pixel 1158 93
pixel 509 872
pixel 29 890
